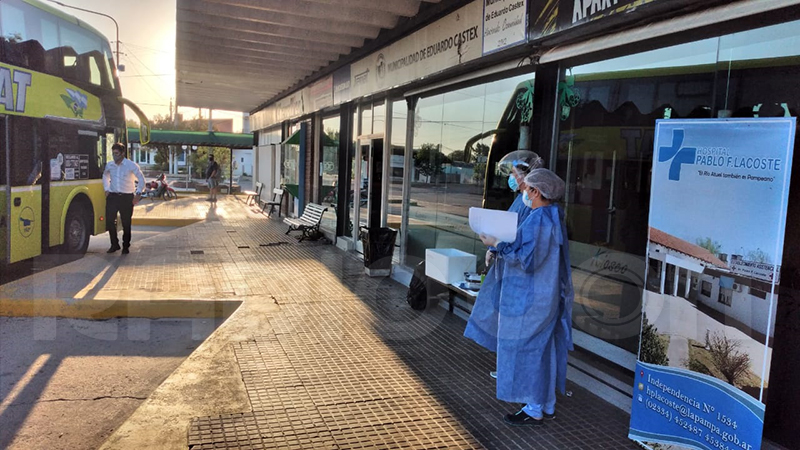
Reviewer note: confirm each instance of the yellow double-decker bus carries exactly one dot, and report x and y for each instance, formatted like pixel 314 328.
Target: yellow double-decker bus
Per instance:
pixel 61 109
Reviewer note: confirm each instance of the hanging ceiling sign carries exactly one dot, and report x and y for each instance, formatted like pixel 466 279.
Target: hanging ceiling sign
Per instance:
pixel 448 42
pixel 558 15
pixel 504 24
pixel 341 85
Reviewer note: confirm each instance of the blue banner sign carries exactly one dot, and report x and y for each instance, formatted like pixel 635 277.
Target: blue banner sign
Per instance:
pixel 694 410
pixel 718 201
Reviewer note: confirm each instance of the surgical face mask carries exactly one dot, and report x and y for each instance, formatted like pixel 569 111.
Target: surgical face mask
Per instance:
pixel 527 200
pixel 118 157
pixel 512 183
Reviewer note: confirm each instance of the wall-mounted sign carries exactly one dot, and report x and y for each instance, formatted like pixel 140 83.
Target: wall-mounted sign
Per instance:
pixel 320 94
pixel 504 24
pixel 719 187
pixel 448 42
pixel 552 16
pixel 289 107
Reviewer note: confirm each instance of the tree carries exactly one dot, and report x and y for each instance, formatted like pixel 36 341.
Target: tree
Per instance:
pixel 479 172
pixel 457 155
pixel 652 350
pixel 430 160
pixel 758 255
pixel 199 160
pixel 481 149
pixel 712 246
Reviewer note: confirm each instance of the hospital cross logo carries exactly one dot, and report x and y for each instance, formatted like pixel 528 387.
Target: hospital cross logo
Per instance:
pixel 679 155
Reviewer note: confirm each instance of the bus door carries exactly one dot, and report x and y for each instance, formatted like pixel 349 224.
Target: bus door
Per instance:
pixel 5 190
pixel 23 177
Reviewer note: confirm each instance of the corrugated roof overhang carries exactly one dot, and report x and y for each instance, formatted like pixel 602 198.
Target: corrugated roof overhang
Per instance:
pixel 238 54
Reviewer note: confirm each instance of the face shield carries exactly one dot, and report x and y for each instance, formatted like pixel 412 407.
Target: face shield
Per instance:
pixel 520 161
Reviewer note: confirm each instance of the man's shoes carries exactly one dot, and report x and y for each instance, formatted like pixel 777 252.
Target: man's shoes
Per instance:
pixel 493 374
pixel 521 419
pixel 125 251
pixel 549 416
pixel 113 249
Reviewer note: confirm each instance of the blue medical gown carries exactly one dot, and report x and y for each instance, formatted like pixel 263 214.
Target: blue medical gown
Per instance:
pixel 534 310
pixel 482 324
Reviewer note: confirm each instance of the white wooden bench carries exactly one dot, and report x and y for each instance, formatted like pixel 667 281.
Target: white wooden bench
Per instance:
pixel 309 222
pixel 277 200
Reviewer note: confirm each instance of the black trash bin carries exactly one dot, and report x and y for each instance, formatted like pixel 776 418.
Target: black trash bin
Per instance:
pixel 378 250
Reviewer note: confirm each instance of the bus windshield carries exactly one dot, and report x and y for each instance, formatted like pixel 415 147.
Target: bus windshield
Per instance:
pixel 37 37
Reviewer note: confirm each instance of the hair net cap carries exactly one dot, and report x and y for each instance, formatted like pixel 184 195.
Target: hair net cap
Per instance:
pixel 522 160
pixel 547 182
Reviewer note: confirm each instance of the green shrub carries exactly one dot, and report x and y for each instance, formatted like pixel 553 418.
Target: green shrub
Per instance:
pixel 652 350
pixel 726 357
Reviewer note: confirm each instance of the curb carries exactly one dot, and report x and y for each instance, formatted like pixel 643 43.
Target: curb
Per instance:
pixel 162 221
pixel 110 309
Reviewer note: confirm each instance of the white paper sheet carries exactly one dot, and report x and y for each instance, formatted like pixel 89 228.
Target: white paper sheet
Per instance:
pixel 495 223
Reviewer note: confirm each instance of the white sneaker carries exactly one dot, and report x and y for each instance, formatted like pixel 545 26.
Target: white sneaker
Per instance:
pixel 493 374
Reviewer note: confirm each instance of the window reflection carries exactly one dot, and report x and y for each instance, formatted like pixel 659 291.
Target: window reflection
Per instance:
pixel 453 135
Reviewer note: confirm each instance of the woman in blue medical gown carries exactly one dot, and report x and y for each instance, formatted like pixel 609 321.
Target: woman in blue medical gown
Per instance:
pixel 482 325
pixel 533 332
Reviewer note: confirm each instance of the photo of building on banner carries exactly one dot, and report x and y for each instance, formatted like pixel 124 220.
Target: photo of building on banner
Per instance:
pixel 717 219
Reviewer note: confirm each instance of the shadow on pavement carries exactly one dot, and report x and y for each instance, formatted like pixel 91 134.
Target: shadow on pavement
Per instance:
pixel 84 378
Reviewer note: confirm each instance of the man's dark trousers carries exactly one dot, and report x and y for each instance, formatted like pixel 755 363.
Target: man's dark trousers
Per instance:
pixel 122 203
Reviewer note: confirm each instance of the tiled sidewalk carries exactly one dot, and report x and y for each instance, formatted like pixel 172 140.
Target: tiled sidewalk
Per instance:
pixel 318 355
pixel 345 363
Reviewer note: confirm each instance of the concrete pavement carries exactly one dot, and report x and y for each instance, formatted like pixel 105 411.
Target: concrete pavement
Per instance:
pixel 312 354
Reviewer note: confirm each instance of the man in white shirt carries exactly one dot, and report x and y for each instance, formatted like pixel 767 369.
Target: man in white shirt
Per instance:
pixel 119 180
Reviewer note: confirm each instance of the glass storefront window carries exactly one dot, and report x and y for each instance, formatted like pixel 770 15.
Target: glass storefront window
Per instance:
pixel 758 72
pixel 379 117
pixel 605 152
pixel 351 157
pixel 290 170
pixel 366 119
pixel 268 157
pixel 397 152
pixel 329 170
pixel 454 134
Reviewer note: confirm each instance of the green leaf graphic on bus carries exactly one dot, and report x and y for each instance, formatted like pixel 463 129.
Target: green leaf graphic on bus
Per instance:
pixel 76 101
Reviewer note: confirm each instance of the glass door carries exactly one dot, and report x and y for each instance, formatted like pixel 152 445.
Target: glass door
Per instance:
pixel 368 177
pixel 359 185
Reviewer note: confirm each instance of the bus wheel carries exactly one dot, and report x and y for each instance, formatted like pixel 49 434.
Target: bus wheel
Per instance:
pixel 76 231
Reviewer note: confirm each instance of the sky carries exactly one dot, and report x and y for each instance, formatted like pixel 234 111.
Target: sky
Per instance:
pixel 147 50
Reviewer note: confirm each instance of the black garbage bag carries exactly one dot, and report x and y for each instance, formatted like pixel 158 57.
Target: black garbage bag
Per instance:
pixel 417 295
pixel 378 247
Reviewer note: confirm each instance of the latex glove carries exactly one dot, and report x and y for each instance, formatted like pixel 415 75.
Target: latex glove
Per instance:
pixel 489 241
pixel 489 258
